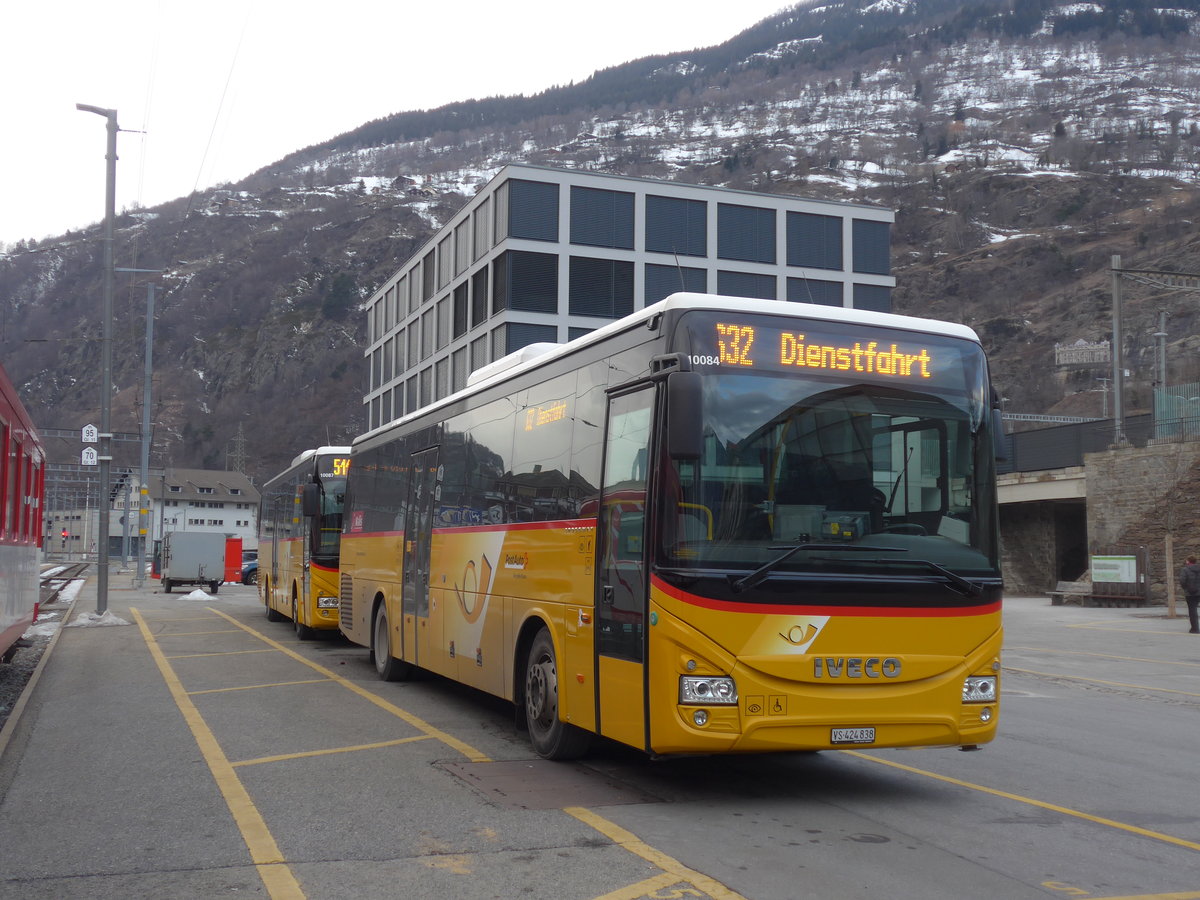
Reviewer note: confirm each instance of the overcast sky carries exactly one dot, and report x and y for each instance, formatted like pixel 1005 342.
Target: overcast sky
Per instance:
pixel 224 87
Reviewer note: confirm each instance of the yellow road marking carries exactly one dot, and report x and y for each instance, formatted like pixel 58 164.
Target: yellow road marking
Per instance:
pixel 1041 804
pixel 1165 662
pixel 223 653
pixel 194 633
pixel 278 879
pixel 1098 626
pixel 648 888
pixel 631 842
pixel 416 722
pixel 1140 687
pixel 306 753
pixel 255 687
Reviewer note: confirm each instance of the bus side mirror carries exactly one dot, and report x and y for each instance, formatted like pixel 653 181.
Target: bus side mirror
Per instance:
pixel 685 431
pixel 310 500
pixel 999 441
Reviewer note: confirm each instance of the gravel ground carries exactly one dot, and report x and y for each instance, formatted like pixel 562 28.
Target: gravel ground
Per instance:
pixel 16 674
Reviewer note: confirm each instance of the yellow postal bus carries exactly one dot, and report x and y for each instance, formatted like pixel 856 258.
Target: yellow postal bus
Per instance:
pixel 299 541
pixel 718 525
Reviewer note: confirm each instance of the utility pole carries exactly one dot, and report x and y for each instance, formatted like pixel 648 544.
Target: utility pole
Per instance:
pixel 139 576
pixel 105 456
pixel 1118 364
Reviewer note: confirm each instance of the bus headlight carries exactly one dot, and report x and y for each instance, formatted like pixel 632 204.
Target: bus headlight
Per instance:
pixel 979 689
pixel 708 690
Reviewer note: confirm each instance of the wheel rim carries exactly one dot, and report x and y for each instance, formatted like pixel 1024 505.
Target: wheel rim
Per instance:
pixel 541 692
pixel 381 646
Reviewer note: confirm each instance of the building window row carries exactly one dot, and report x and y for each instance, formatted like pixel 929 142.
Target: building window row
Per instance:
pixel 528 282
pixel 431 380
pixel 529 210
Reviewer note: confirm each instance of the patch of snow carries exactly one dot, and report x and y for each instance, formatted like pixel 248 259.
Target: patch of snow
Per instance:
pixel 94 620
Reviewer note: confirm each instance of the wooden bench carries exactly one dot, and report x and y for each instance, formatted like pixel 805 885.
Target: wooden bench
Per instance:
pixel 1069 592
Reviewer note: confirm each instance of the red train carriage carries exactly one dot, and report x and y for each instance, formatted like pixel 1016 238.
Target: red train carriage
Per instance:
pixel 22 485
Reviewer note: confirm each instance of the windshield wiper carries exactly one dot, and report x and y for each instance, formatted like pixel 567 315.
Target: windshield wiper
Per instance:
pixel 955 581
pixel 748 581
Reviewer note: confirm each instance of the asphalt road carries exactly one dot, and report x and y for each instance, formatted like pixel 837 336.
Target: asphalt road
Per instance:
pixel 204 752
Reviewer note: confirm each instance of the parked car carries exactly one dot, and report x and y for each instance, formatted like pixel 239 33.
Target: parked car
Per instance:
pixel 250 572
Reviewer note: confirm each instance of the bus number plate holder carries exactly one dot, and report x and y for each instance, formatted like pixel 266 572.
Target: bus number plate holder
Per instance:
pixel 852 736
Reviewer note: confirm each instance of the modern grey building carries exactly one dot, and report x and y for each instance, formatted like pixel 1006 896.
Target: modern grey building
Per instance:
pixel 543 254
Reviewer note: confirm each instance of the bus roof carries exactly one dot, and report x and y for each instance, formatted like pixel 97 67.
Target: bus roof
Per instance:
pixel 536 355
pixel 320 451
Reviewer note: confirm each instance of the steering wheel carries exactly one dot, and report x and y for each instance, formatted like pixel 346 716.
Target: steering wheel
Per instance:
pixel 905 528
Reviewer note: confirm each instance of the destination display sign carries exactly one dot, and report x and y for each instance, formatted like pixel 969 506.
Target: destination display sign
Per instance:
pixel 774 345
pixel 739 344
pixel 334 466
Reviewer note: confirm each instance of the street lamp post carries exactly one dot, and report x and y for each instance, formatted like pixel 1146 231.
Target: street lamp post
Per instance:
pixel 139 576
pixel 105 455
pixel 1118 363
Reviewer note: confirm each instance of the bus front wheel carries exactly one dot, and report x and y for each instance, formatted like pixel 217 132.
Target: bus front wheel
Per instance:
pixel 551 737
pixel 387 667
pixel 303 632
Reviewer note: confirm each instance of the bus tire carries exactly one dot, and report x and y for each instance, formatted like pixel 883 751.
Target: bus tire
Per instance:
pixel 387 667
pixel 166 585
pixel 303 632
pixel 551 737
pixel 273 615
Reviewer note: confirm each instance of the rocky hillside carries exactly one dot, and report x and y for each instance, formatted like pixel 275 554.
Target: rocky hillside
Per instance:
pixel 1022 145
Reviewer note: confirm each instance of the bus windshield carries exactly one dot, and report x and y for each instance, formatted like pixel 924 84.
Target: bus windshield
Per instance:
pixel 828 471
pixel 327 531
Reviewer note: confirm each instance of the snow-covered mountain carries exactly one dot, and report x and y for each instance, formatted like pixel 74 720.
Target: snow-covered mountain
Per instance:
pixel 1022 145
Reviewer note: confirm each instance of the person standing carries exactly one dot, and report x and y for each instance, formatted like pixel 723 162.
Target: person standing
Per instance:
pixel 1189 580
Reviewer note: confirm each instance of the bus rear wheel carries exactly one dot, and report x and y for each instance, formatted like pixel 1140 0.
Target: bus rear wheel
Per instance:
pixel 273 615
pixel 387 667
pixel 551 737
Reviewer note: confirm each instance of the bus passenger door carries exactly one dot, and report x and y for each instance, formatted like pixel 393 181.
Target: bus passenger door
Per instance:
pixel 418 540
pixel 304 525
pixel 621 571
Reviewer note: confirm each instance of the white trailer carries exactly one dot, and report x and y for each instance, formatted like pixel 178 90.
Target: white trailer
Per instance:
pixel 192 557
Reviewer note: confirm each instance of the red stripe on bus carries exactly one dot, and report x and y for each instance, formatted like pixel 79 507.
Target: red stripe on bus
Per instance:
pixel 519 526
pixel 783 609
pixel 476 529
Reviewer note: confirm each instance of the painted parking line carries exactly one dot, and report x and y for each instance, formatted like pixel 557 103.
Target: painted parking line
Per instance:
pixel 1175 895
pixel 676 880
pixel 416 722
pixel 1121 629
pixel 306 754
pixel 276 876
pixel 1060 888
pixel 1058 652
pixel 216 653
pixel 1121 684
pixel 674 872
pixel 1040 804
pixel 257 687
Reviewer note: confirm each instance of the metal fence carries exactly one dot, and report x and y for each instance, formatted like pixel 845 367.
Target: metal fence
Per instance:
pixel 1064 445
